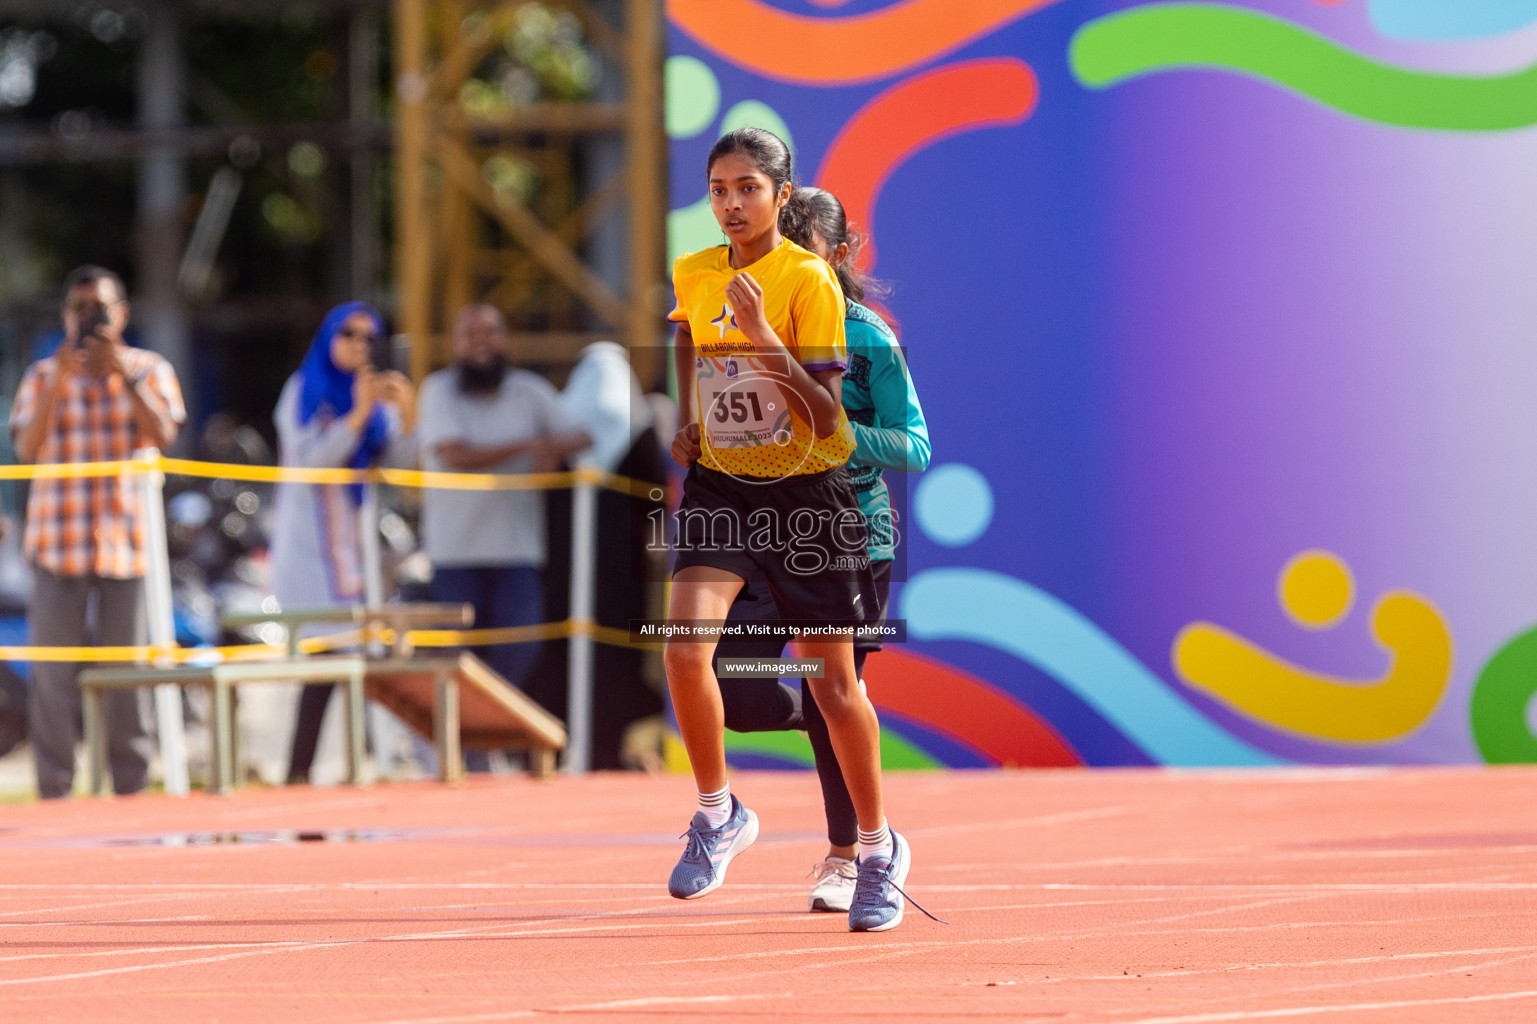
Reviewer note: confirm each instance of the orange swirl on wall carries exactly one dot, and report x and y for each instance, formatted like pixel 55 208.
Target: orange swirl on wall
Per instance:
pixel 839 51
pixel 916 113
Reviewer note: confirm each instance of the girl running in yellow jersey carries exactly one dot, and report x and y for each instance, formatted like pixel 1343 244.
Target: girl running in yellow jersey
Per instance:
pixel 890 434
pixel 760 352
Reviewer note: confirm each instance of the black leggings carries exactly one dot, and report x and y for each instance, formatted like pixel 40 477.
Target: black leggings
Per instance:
pixel 313 699
pixel 770 705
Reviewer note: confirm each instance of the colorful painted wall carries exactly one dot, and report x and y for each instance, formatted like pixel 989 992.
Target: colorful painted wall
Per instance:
pixel 1224 317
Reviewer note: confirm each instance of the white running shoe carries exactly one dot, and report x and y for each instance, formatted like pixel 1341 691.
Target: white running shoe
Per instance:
pixel 835 885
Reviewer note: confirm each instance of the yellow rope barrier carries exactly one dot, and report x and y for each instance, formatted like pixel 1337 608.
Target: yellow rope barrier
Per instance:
pixel 83 653
pixel 294 474
pixel 621 638
pixel 71 470
pixel 488 637
pixel 414 478
pixel 431 638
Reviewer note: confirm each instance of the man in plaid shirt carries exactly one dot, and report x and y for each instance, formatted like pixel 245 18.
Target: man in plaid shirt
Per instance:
pixel 96 399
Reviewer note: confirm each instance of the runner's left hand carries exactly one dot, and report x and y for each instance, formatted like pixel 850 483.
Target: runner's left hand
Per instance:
pixel 685 445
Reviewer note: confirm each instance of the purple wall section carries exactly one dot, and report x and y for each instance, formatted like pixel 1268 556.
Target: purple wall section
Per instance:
pixel 1187 326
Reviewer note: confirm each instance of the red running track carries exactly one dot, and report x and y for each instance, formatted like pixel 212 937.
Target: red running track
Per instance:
pixel 1106 897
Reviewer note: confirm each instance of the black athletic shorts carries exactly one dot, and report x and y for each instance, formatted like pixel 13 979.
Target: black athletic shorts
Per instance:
pixel 755 605
pixel 882 572
pixel 804 535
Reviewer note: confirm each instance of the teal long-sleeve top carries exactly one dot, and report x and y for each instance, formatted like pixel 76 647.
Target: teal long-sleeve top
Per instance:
pixel 889 429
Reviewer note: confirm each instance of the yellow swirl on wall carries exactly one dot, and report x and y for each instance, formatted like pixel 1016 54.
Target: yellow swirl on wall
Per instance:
pixel 1316 588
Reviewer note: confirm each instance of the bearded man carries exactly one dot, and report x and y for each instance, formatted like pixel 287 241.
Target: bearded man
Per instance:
pixel 487 548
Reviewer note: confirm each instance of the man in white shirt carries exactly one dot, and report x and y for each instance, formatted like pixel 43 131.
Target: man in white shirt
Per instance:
pixel 603 396
pixel 487 548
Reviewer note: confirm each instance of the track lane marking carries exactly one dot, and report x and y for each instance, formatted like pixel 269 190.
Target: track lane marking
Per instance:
pixel 482 931
pixel 1193 972
pixel 1303 1011
pixel 1061 818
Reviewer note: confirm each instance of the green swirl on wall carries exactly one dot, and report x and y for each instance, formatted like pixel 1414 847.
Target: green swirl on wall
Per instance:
pixel 897 753
pixel 1500 699
pixel 1181 36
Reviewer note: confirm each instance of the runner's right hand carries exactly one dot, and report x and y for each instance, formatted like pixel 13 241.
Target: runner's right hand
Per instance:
pixel 685 445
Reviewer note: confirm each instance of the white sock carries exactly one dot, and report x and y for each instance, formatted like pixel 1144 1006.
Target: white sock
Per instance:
pixel 875 844
pixel 716 806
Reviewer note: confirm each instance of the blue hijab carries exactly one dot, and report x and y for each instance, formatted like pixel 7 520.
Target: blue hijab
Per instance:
pixel 324 386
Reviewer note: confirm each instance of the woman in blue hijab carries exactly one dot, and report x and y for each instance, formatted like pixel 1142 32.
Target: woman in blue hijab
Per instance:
pixel 335 412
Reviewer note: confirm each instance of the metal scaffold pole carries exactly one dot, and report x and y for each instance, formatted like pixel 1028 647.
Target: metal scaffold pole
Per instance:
pixel 413 256
pixel 579 666
pixel 161 615
pixel 540 253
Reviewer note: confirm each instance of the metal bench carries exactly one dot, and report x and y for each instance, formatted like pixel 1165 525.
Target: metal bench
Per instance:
pixel 222 680
pixel 455 700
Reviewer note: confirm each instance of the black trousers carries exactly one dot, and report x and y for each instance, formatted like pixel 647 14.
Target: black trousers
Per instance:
pixel 313 699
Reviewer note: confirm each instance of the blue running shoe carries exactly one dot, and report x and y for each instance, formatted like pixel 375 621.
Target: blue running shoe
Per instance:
pixel 878 899
pixel 703 864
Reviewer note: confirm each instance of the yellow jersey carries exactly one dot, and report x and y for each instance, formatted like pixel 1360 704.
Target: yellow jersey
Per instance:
pixel 750 422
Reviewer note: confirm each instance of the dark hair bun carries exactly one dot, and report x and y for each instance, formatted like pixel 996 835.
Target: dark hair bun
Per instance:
pixel 815 211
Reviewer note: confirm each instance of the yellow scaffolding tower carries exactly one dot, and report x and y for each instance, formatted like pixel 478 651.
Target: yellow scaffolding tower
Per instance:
pixel 460 240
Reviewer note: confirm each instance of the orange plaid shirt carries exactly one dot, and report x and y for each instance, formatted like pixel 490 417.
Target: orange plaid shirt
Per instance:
pixel 91 527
